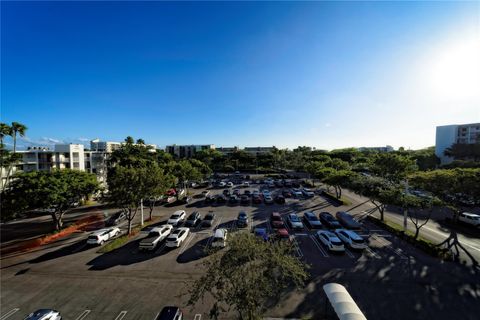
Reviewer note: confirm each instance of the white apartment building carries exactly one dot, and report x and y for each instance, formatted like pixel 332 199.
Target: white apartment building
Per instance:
pixel 456 133
pixel 110 146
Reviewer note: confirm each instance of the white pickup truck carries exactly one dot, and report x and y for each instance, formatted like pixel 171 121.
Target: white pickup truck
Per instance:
pixel 155 236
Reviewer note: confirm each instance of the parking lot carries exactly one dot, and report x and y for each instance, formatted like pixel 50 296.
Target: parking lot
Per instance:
pixel 389 279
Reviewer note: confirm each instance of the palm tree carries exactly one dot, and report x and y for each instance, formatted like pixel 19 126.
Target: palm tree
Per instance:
pixel 5 130
pixel 140 141
pixel 129 140
pixel 20 129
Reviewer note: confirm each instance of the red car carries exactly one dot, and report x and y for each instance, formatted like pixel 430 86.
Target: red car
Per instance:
pixel 276 220
pixel 282 234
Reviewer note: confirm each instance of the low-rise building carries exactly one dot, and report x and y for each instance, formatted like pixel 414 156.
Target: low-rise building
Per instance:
pixel 377 149
pixel 187 151
pixel 448 135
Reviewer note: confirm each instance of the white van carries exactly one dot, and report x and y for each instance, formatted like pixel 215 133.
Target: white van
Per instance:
pixel 219 238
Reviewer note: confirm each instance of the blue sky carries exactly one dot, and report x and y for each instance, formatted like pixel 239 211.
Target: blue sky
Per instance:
pixel 324 74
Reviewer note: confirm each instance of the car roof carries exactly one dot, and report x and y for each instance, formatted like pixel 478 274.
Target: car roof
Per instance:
pixel 220 233
pixel 351 234
pixel 178 212
pixel 276 214
pixel 168 313
pixel 329 234
pixel 282 231
pixel 40 313
pixel 310 214
pixel 469 214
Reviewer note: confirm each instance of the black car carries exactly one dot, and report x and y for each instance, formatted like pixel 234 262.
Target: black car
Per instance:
pixel 116 218
pixel 347 220
pixel 233 199
pixel 329 221
pixel 247 193
pixel 280 199
pixel 208 220
pixel 170 313
pixel 209 199
pixel 226 192
pixel 193 219
pixel 221 199
pixel 311 220
pixel 242 220
pixel 244 199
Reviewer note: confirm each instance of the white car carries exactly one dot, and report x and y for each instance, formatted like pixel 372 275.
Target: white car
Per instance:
pixel 155 236
pixel 297 193
pixel 470 218
pixel 44 314
pixel 307 193
pixel 294 221
pixel 222 184
pixel 220 238
pixel 351 239
pixel 230 184
pixel 102 235
pixel 330 240
pixel 246 184
pixel 176 238
pixel 177 217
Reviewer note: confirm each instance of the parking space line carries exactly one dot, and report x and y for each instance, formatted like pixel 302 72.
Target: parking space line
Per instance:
pixel 185 245
pixel 121 315
pixel 297 247
pixel 156 316
pixel 83 315
pixel 9 314
pixel 349 253
pixel 324 253
pixel 373 253
pixel 198 316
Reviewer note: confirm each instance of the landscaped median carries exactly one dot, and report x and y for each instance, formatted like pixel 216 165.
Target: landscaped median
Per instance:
pixel 421 243
pixel 83 224
pixel 120 241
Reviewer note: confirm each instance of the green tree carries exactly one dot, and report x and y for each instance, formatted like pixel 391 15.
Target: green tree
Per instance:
pixel 392 167
pixel 337 179
pixel 129 140
pixel 156 184
pixel 20 129
pixel 464 151
pixel 127 188
pixel 56 190
pixel 140 141
pixel 247 275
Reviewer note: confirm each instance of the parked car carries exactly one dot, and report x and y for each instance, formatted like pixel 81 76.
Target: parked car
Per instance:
pixel 99 237
pixel 208 220
pixel 329 221
pixel 193 219
pixel 268 199
pixel 177 217
pixel 116 218
pixel 44 314
pixel 222 184
pixel 347 220
pixel 470 218
pixel 276 220
pixel 351 239
pixel 233 199
pixel 170 313
pixel 256 192
pixel 209 199
pixel 330 240
pixel 280 199
pixel 230 184
pixel 244 199
pixel 246 184
pixel 219 238
pixel 247 193
pixel 226 192
pixel 307 193
pixel 154 237
pixel 256 199
pixel 177 237
pixel 221 199
pixel 282 234
pixel 261 233
pixel 311 220
pixel 242 219
pixel 266 193
pixel 286 193
pixel 294 221
pixel 297 193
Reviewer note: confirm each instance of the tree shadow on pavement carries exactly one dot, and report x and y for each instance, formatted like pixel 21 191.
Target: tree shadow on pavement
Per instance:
pixel 73 248
pixel 125 255
pixel 195 252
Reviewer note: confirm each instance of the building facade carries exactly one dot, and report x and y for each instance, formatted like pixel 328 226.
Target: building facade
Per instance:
pixel 457 133
pixel 378 149
pixel 187 151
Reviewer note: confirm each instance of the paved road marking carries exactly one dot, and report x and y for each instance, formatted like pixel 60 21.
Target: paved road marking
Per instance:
pixel 83 315
pixel 349 253
pixel 187 242
pixel 121 315
pixel 9 314
pixel 198 316
pixel 373 253
pixel 297 248
pixel 156 316
pixel 317 244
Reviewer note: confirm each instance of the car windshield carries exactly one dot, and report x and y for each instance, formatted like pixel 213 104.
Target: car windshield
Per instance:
pixel 294 218
pixel 336 242
pixel 208 217
pixel 175 216
pixel 93 237
pixel 192 217
pixel 359 240
pixel 154 234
